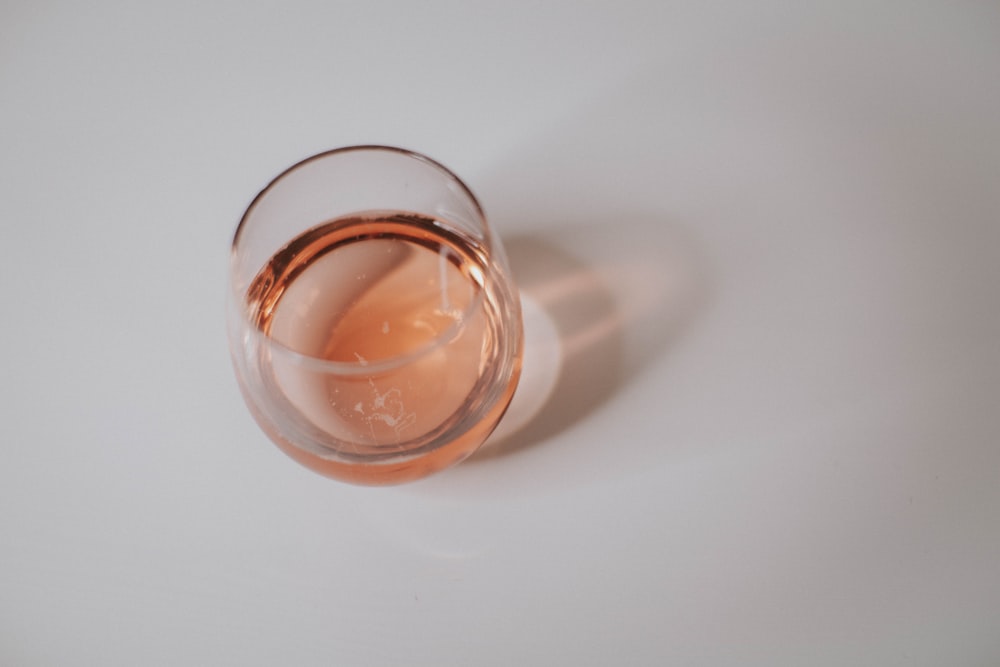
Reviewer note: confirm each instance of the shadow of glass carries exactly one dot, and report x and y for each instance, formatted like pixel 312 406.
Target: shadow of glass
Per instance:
pixel 572 345
pixel 598 310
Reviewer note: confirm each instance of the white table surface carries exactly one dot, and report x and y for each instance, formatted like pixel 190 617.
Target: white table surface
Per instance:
pixel 767 234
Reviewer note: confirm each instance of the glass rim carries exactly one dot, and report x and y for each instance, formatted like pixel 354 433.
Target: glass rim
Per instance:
pixel 358 368
pixel 405 152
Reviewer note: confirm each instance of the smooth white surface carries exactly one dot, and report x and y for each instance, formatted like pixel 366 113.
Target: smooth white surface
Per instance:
pixel 767 236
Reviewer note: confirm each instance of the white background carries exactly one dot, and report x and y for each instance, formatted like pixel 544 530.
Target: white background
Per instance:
pixel 766 233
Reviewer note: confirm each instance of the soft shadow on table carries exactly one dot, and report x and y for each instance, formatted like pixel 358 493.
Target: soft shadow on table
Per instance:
pixel 601 303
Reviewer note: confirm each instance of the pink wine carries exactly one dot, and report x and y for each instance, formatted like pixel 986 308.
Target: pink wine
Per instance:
pixel 383 336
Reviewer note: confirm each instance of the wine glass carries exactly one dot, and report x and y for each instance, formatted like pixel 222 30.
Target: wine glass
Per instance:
pixel 373 324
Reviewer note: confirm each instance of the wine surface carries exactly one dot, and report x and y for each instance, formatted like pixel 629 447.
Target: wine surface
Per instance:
pixel 380 337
